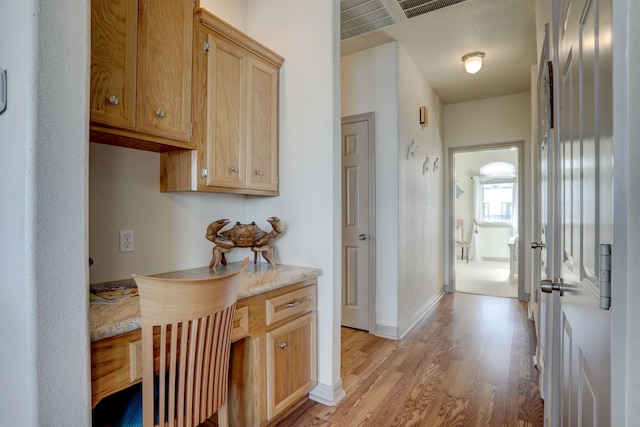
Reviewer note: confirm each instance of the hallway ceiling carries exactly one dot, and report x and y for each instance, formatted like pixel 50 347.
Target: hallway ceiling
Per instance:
pixel 436 41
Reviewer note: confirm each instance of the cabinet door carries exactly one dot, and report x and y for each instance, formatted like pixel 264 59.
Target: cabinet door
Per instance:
pixel 291 363
pixel 224 136
pixel 114 26
pixel 262 125
pixel 165 36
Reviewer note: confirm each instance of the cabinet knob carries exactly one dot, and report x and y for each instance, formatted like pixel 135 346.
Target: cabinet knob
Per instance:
pixel 160 112
pixel 234 169
pixel 259 172
pixel 282 345
pixel 113 100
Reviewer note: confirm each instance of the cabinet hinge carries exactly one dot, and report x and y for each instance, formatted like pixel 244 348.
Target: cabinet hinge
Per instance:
pixel 207 47
pixel 191 129
pixel 605 276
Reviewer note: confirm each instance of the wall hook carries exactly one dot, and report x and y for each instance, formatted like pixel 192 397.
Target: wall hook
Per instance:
pixel 435 164
pixel 425 166
pixel 412 149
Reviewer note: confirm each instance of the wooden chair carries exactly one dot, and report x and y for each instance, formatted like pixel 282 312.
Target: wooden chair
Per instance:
pixel 460 242
pixel 191 320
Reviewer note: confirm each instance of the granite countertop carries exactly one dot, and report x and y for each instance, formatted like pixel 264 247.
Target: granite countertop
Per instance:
pixel 123 315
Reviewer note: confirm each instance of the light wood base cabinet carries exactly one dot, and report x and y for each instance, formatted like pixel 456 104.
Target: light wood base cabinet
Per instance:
pixel 290 363
pixel 235 104
pixel 141 72
pixel 275 366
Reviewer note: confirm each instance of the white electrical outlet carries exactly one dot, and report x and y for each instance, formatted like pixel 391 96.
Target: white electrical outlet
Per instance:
pixel 126 240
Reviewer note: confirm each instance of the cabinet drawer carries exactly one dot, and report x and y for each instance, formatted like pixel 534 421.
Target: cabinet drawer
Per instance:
pixel 240 324
pixel 290 304
pixel 111 369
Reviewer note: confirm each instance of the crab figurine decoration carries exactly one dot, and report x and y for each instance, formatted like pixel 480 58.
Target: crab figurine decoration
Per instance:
pixel 242 236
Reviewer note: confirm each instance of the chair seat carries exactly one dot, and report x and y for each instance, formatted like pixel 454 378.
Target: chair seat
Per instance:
pixel 122 409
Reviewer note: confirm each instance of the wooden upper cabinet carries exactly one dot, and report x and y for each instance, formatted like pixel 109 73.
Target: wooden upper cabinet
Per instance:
pixel 236 111
pixel 113 62
pixel 262 125
pixel 165 37
pixel 224 117
pixel 141 68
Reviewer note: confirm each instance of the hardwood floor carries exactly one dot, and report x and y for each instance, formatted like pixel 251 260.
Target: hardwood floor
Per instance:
pixel 467 363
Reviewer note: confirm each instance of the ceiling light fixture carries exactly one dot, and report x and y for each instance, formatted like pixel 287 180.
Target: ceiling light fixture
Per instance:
pixel 473 62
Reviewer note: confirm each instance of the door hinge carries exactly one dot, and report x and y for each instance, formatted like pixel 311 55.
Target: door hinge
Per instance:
pixel 207 46
pixel 605 276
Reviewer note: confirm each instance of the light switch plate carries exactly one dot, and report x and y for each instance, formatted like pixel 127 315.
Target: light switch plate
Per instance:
pixel 3 89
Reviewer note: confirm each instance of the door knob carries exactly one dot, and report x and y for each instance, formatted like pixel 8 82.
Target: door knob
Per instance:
pixel 363 236
pixel 548 286
pixel 537 245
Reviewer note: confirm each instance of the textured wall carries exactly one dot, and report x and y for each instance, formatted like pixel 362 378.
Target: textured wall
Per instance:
pixel 421 197
pixel 45 356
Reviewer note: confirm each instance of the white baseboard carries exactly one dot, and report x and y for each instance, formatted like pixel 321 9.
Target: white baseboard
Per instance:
pixel 384 331
pixel 328 395
pixel 395 333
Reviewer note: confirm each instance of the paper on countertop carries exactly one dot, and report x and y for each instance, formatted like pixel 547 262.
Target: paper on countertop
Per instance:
pixel 112 292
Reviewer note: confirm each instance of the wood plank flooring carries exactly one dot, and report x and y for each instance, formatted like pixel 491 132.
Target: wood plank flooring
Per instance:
pixel 467 363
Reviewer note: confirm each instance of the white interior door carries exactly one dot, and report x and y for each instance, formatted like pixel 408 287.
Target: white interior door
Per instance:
pixel 358 254
pixel 584 196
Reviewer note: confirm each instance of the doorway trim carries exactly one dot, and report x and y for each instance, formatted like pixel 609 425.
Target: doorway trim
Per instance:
pixel 449 241
pixel 370 119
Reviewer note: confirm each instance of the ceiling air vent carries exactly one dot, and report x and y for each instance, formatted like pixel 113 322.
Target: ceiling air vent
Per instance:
pixel 413 8
pixel 363 16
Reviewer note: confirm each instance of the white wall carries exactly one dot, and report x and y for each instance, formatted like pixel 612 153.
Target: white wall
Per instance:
pixel 490 121
pixel 409 232
pixel 369 84
pixel 421 196
pixel 232 11
pixel 44 362
pixel 169 228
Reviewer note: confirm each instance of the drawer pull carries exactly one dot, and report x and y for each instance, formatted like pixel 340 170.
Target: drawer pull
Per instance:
pixel 282 345
pixel 293 304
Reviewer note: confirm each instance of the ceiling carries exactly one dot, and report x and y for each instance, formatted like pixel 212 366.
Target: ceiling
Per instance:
pixel 436 41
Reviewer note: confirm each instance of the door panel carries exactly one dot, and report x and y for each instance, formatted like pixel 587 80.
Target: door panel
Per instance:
pixel 357 276
pixel 585 164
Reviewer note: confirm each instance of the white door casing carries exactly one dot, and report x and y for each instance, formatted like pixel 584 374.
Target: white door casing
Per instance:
pixel 542 251
pixel 358 222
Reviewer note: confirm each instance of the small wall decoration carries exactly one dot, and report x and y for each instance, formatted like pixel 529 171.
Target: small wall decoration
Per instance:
pixel 424 116
pixel 243 236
